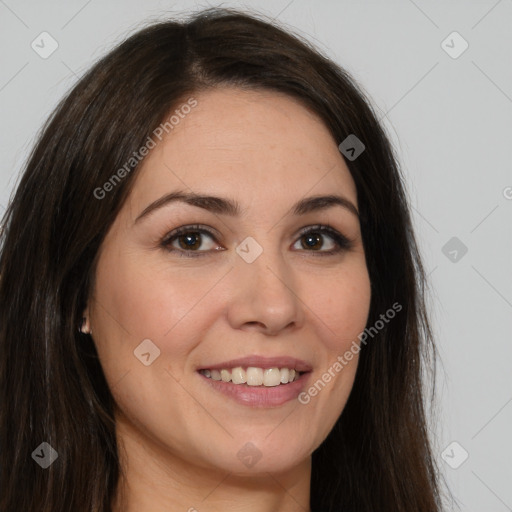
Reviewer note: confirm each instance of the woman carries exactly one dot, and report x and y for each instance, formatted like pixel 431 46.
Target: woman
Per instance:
pixel 211 295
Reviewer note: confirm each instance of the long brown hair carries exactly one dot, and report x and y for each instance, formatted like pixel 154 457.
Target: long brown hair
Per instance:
pixel 378 456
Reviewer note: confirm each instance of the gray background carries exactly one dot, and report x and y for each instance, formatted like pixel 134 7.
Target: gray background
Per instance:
pixel 451 122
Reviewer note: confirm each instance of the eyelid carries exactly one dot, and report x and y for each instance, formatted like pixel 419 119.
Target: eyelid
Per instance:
pixel 194 228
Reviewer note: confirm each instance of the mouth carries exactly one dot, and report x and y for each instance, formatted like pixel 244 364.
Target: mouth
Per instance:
pixel 257 381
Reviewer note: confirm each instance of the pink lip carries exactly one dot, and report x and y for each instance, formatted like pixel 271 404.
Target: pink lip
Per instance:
pixel 262 362
pixel 259 396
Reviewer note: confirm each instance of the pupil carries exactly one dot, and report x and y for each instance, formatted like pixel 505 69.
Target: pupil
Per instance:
pixel 311 240
pixel 190 238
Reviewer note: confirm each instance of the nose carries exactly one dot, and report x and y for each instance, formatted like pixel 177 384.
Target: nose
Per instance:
pixel 265 295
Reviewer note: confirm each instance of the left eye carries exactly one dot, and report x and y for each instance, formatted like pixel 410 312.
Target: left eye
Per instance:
pixel 314 240
pixel 311 239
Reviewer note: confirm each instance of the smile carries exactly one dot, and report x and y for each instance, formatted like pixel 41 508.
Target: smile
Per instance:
pixel 253 376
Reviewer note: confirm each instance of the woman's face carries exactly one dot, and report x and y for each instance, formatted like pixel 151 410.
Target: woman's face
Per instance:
pixel 255 293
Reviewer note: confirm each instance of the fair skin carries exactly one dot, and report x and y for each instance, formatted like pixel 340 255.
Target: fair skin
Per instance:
pixel 180 437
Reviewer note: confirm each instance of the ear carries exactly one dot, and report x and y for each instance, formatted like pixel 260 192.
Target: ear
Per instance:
pixel 85 324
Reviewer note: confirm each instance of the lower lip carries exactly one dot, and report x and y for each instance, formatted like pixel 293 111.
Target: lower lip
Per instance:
pixel 260 396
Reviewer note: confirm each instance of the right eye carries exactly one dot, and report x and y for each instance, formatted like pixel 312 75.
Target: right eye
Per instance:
pixel 187 240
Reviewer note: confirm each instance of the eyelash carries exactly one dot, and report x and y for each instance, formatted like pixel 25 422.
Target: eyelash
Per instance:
pixel 342 242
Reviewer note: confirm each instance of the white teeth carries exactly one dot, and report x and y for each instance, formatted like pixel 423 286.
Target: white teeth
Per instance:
pixel 271 377
pixel 253 376
pixel 238 376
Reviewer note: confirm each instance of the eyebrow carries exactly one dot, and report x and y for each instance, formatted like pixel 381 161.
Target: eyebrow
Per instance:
pixel 223 206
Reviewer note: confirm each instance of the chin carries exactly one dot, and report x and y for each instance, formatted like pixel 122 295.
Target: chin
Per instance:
pixel 252 458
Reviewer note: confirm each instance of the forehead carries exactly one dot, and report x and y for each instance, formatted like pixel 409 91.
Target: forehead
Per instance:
pixel 246 143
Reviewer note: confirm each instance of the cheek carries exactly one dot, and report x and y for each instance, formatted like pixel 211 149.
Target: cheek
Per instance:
pixel 342 305
pixel 144 300
pixel 340 312
pixel 137 300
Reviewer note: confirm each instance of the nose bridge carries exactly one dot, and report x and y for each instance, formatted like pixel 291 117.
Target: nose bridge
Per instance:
pixel 262 256
pixel 265 285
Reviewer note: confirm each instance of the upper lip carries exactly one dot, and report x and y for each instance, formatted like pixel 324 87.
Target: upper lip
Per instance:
pixel 262 362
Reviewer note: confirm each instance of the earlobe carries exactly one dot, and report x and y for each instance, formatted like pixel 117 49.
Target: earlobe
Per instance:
pixel 85 326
